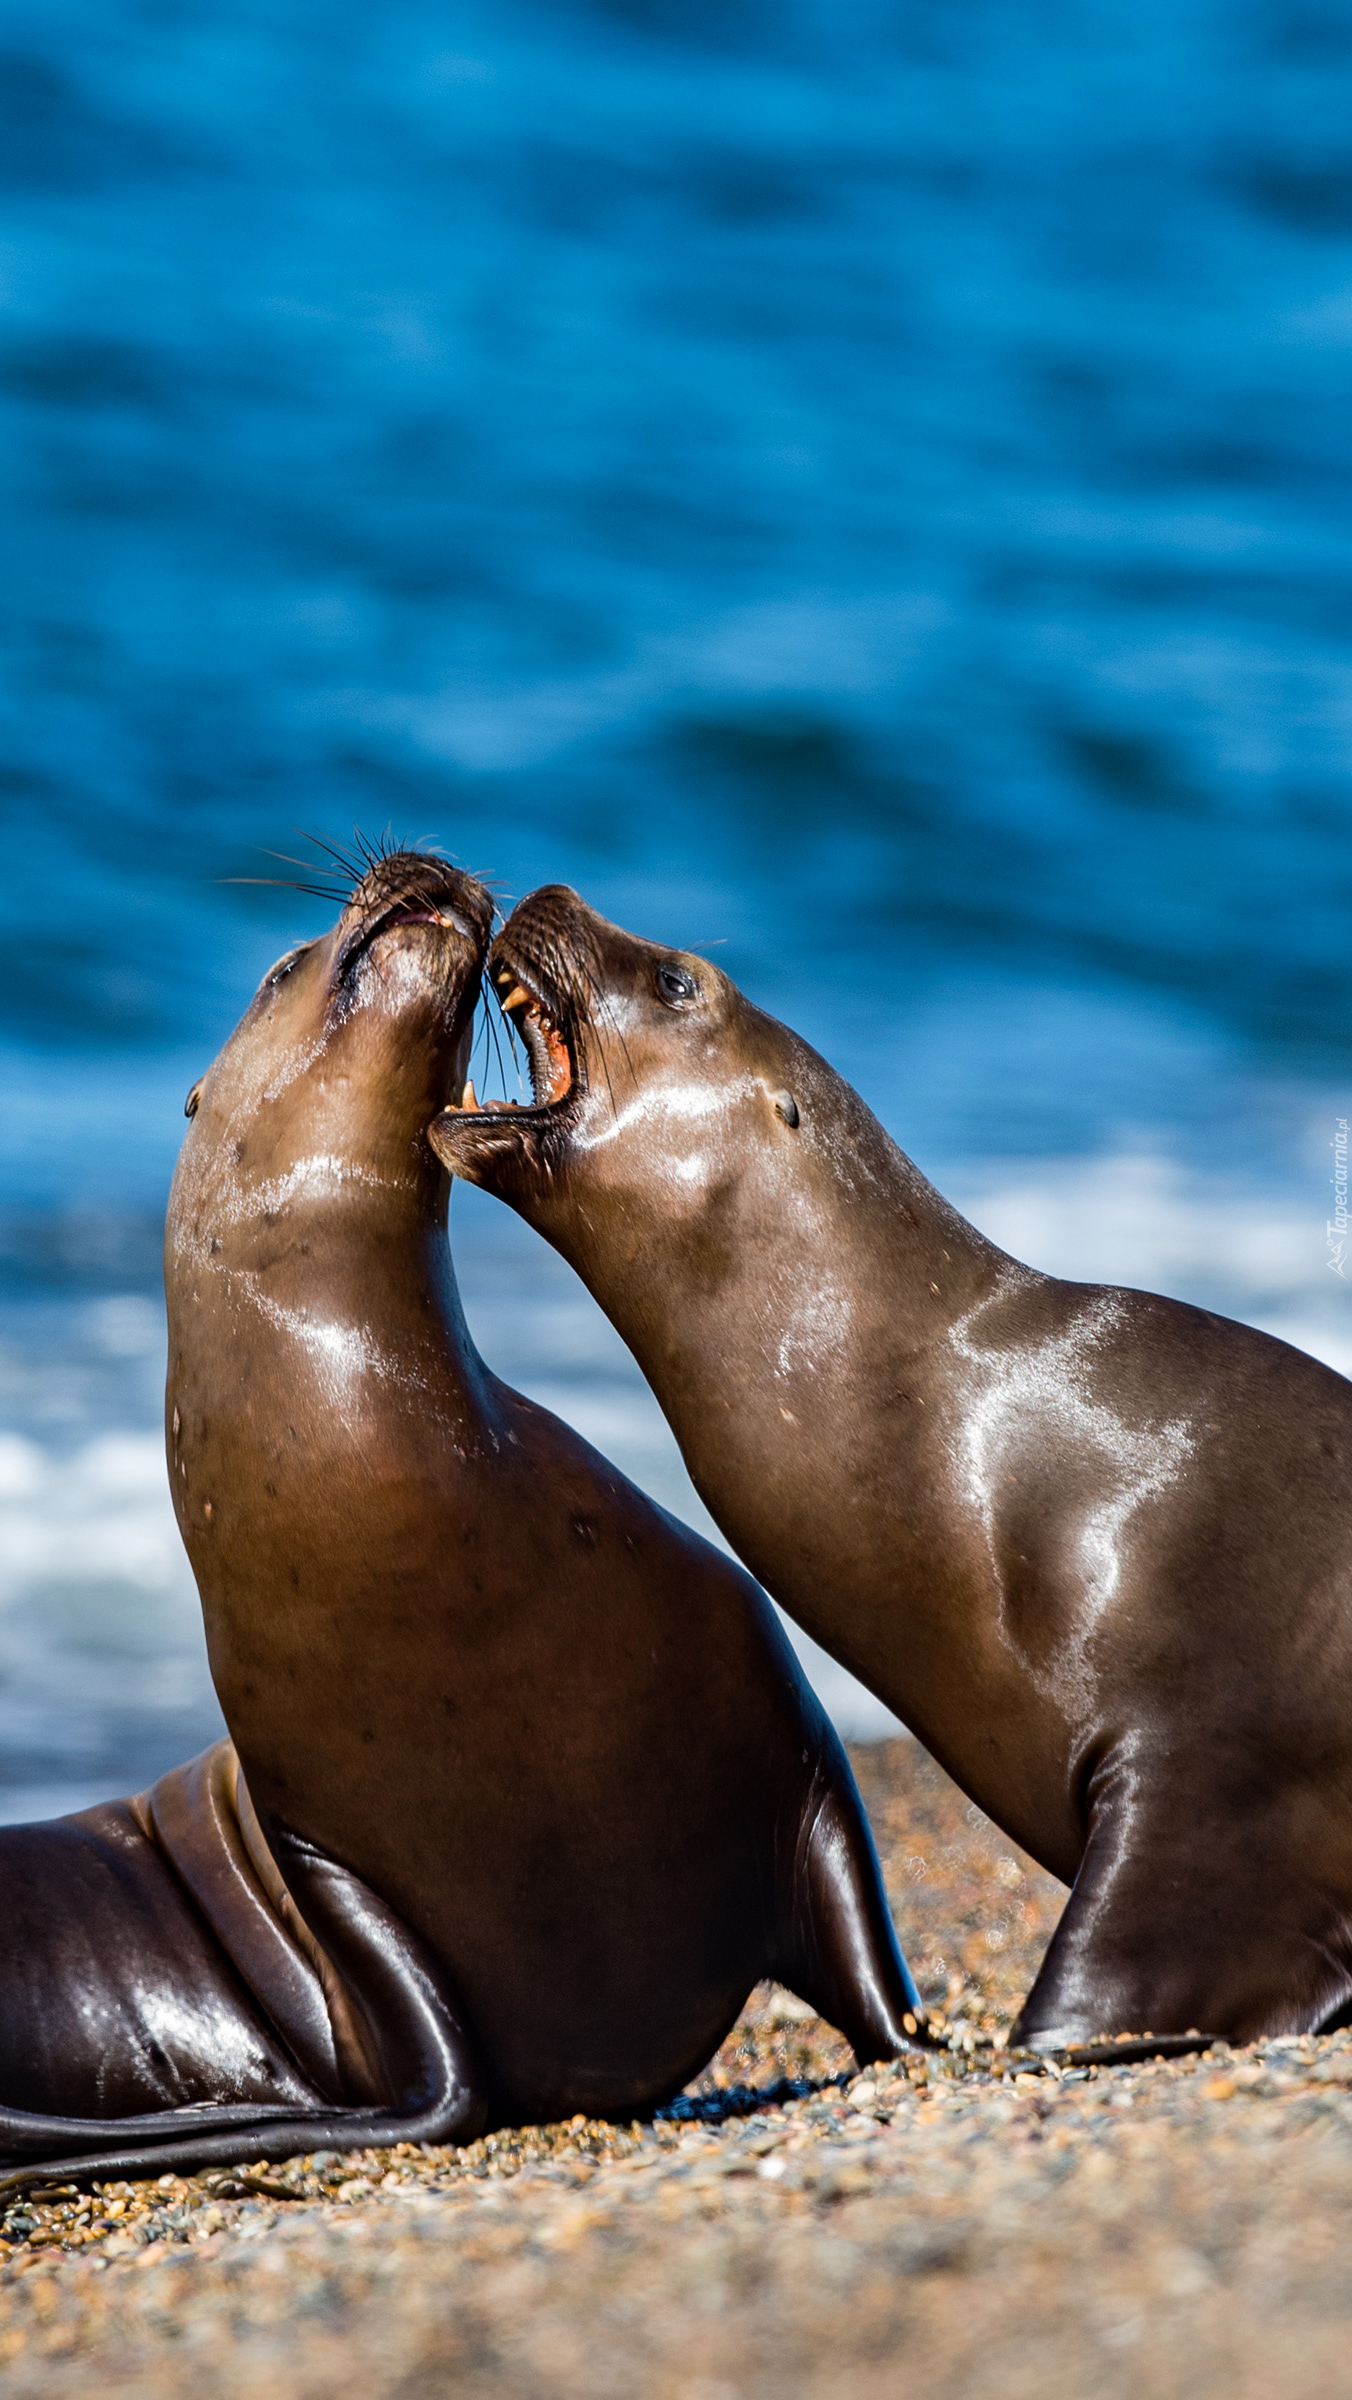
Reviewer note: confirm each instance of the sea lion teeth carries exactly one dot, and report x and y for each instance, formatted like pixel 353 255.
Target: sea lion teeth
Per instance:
pixel 515 999
pixel 1099 1556
pixel 469 1098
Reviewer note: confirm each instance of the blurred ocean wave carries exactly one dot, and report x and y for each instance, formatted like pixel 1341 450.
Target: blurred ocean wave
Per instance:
pixel 102 1668
pixel 908 456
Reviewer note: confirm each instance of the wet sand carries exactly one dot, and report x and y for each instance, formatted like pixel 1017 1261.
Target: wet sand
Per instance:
pixel 792 2229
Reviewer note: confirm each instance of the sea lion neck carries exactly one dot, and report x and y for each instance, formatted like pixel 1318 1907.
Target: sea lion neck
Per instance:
pixel 330 1270
pixel 787 1255
pixel 307 1207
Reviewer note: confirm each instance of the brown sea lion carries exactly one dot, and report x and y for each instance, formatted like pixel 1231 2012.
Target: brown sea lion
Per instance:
pixel 1093 1546
pixel 162 2004
pixel 563 1738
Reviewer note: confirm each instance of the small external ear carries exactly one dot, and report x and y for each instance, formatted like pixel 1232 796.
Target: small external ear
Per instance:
pixel 785 1106
pixel 191 1104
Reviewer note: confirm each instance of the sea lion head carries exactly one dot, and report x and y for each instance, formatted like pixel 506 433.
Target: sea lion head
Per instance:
pixel 662 1097
pixel 349 1044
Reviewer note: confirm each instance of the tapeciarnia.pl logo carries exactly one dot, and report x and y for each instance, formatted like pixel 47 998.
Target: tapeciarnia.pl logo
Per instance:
pixel 1336 1230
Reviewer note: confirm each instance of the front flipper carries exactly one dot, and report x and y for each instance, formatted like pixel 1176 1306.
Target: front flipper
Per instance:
pixel 840 1949
pixel 1179 1925
pixel 422 2050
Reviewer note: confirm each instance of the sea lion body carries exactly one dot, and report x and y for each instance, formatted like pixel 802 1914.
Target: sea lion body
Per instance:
pixel 1093 1546
pixel 562 1737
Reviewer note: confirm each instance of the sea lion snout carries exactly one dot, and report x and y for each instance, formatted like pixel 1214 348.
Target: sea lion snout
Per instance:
pixel 317 1107
pixel 540 980
pixel 618 1033
pixel 405 890
pixel 385 999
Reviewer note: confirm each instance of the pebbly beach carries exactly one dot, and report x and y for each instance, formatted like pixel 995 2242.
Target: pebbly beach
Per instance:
pixel 985 2221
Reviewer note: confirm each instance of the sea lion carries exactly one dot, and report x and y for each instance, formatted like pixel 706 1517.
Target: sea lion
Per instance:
pixel 1094 1547
pixel 562 1737
pixel 162 2004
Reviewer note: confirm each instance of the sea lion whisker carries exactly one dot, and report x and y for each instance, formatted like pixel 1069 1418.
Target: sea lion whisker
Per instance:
pixel 544 1032
pixel 486 1032
pixel 579 1017
pixel 287 860
pixel 603 1006
pixel 514 1046
pixel 547 980
pixel 286 883
pixel 342 859
pixel 490 1020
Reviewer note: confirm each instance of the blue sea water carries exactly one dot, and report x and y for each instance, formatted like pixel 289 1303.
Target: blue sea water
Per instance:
pixel 864 488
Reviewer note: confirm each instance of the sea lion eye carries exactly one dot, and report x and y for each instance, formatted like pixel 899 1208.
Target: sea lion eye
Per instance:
pixel 675 986
pixel 285 964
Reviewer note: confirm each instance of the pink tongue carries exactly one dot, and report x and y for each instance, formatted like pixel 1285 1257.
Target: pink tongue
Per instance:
pixel 561 1066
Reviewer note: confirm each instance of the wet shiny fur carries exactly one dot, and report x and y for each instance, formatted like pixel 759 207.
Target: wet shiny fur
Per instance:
pixel 1093 1546
pixel 562 1737
pixel 163 2003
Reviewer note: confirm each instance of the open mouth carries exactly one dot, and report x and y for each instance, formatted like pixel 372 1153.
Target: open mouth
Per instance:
pixel 548 1047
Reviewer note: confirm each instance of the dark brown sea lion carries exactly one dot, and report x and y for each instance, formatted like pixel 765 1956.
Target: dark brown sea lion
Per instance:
pixel 1093 1546
pixel 163 2005
pixel 563 1738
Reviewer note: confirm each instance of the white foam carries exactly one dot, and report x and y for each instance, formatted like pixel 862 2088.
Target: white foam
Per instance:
pixel 103 1670
pixel 102 1514
pixel 1142 1219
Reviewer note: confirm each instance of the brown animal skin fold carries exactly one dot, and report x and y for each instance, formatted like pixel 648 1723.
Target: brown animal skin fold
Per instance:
pixel 362 2039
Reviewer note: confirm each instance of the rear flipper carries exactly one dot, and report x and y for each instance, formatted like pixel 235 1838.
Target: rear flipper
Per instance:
pixel 840 1950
